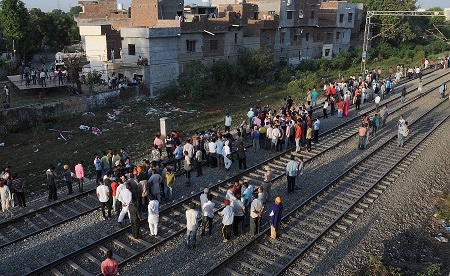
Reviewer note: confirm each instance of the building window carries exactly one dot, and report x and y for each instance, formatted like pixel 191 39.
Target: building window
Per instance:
pixel 328 36
pixel 338 36
pixel 300 13
pixel 289 14
pixel 327 52
pixel 307 37
pixel 300 55
pixel 214 44
pixel 190 45
pixel 131 49
pixel 312 14
pixel 297 34
pixel 235 38
pixel 350 17
pixel 341 18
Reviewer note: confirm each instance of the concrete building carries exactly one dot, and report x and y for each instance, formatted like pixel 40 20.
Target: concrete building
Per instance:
pixel 170 33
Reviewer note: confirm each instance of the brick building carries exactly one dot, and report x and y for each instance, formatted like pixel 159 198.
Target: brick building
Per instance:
pixel 170 33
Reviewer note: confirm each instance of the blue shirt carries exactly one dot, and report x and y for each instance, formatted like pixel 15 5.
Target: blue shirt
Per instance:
pixel 255 135
pixel 277 210
pixel 314 95
pixel 219 147
pixel 316 125
pixel 292 168
pixel 98 164
pixel 179 152
pixel 247 196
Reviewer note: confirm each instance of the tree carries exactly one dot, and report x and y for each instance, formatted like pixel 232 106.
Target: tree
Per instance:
pixel 14 20
pixel 195 81
pixel 60 30
pixel 75 11
pixel 223 72
pixel 255 63
pixel 93 78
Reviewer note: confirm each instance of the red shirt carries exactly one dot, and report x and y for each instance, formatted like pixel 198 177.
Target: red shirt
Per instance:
pixel 341 105
pixel 109 267
pixel 114 186
pixel 298 130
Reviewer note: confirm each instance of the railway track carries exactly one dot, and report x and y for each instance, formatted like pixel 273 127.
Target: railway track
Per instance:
pixel 311 228
pixel 85 260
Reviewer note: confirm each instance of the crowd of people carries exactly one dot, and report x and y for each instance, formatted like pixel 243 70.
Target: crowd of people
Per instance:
pixel 127 188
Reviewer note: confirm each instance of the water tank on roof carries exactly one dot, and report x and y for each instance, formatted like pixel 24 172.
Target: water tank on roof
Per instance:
pixel 119 6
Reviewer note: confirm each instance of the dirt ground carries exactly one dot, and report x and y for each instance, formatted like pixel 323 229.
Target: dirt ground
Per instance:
pixel 133 126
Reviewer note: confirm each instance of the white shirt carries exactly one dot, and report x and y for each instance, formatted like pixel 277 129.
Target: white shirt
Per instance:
pixel 102 193
pixel 125 197
pixel 203 200
pixel 227 120
pixel 208 209
pixel 255 208
pixel 191 219
pixel 190 149
pixel 119 189
pixel 230 196
pixel 212 147
pixel 238 208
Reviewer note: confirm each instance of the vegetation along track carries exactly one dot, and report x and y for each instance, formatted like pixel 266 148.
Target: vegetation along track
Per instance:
pixel 172 221
pixel 308 230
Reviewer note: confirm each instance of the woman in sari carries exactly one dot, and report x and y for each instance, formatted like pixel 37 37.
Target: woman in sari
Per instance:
pixel 346 106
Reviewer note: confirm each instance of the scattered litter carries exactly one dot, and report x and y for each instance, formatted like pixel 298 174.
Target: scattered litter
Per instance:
pixel 67 131
pixel 83 127
pixel 441 238
pixel 2 144
pixel 59 164
pixel 111 116
pixel 445 225
pixel 176 109
pixel 60 134
pixel 16 145
pixel 36 150
pixel 152 111
pixel 117 112
pixel 213 112
pixel 96 131
pixel 88 113
pixel 75 151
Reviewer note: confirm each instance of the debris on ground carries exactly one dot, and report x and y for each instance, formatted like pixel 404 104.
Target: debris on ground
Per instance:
pixel 88 113
pixel 2 144
pixel 96 131
pixel 213 111
pixel 441 238
pixel 83 127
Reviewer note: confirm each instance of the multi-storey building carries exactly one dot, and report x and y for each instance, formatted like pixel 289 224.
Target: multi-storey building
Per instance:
pixel 170 33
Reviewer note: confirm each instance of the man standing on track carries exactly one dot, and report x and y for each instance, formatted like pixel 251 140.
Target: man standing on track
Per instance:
pixel 256 210
pixel 227 221
pixel 103 196
pixel 125 197
pixel 109 266
pixel 291 173
pixel 316 129
pixel 275 213
pixel 191 226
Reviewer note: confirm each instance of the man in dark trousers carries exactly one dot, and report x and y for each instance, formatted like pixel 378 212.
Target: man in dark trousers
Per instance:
pixel 135 218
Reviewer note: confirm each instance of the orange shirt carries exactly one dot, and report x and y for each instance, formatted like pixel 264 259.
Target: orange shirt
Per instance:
pixel 341 105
